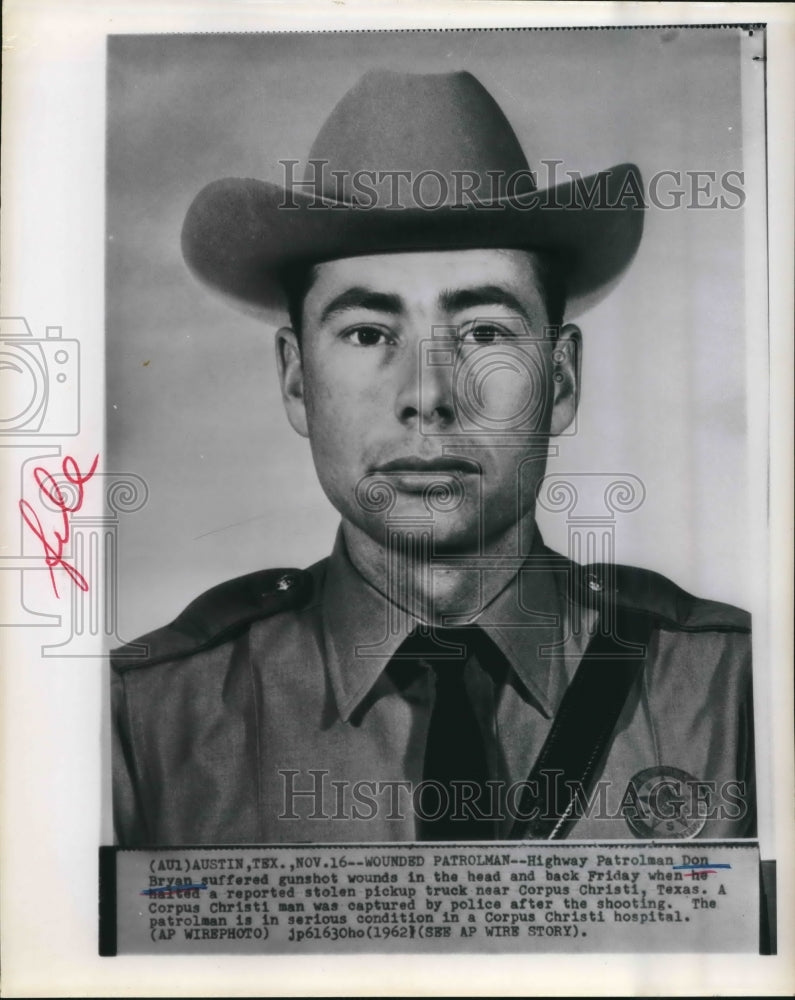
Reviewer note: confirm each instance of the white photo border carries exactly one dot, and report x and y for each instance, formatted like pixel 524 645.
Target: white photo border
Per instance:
pixel 53 251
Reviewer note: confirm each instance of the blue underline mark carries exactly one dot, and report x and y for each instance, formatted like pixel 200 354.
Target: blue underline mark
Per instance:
pixel 159 890
pixel 697 867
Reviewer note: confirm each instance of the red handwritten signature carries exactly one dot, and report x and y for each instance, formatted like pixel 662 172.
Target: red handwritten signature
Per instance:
pixel 49 488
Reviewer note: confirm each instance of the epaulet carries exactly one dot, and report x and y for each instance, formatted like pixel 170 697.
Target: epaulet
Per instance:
pixel 649 593
pixel 218 615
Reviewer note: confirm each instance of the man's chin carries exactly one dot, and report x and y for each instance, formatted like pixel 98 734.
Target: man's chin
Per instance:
pixel 438 535
pixel 439 525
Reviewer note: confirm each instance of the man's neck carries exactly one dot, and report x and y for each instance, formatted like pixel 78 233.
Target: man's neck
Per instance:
pixel 431 587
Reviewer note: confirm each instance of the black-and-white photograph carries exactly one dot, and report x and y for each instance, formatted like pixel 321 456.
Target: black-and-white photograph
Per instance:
pixel 431 349
pixel 397 462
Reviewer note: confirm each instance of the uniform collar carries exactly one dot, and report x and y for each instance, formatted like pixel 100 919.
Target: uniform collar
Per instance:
pixel 363 629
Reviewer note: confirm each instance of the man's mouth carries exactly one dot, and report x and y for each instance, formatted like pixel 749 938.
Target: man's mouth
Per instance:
pixel 412 474
pixel 413 464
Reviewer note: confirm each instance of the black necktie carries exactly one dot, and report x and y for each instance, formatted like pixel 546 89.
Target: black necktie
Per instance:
pixel 453 803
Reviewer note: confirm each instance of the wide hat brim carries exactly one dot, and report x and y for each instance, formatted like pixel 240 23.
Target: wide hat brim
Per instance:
pixel 240 233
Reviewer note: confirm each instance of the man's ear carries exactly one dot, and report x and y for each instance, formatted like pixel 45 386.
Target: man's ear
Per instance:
pixel 291 378
pixel 566 360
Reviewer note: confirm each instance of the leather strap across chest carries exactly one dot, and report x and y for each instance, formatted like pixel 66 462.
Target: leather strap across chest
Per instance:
pixel 582 731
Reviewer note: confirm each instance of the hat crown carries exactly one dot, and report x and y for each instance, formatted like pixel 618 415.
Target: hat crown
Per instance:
pixel 466 185
pixel 427 126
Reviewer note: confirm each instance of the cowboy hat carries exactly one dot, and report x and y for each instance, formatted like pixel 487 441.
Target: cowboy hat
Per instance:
pixel 410 162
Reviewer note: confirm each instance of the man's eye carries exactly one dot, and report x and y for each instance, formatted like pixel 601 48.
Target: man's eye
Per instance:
pixel 485 333
pixel 365 336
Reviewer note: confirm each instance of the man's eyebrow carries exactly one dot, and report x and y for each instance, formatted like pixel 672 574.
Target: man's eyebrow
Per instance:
pixel 459 299
pixel 359 297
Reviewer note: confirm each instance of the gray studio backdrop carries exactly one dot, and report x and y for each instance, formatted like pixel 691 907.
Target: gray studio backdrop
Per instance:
pixel 192 397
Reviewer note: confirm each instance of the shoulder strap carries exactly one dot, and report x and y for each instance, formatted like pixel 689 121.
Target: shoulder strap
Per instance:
pixel 216 616
pixel 583 727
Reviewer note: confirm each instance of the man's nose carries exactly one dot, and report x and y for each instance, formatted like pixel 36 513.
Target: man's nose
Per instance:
pixel 425 394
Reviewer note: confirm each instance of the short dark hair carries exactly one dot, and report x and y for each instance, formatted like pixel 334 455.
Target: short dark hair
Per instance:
pixel 296 280
pixel 552 269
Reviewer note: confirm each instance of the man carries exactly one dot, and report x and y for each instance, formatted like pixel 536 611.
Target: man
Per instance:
pixel 443 675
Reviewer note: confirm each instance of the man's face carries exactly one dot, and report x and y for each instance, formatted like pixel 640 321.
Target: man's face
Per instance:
pixel 428 386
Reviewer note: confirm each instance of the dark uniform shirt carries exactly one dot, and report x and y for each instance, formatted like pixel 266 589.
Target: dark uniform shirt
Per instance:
pixel 273 709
